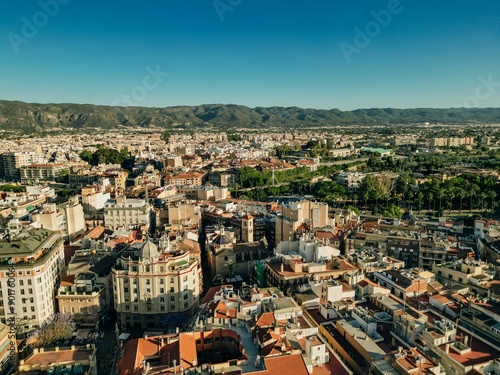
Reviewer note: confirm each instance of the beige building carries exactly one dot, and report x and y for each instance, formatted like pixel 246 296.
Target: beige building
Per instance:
pixel 38 255
pixel 93 200
pixel 66 219
pixel 173 162
pixel 150 283
pixel 294 214
pixel 81 360
pixel 81 296
pixel 184 212
pixel 128 213
pixel 11 163
pixel 41 172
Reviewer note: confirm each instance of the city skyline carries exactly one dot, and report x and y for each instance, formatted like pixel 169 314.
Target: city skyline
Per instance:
pixel 398 54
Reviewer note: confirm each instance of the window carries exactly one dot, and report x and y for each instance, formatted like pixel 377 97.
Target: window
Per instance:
pixel 185 296
pixel 127 307
pixel 136 308
pixel 171 289
pixel 21 282
pixel 172 299
pixel 162 299
pixel 460 280
pixel 172 307
pixel 29 281
pixel 148 282
pixel 125 290
pixel 162 290
pixel 162 281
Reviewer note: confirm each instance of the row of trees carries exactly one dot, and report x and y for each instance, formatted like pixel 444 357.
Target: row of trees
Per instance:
pixel 12 188
pixel 105 155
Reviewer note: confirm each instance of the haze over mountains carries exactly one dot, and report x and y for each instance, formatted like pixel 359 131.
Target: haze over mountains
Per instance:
pixel 34 117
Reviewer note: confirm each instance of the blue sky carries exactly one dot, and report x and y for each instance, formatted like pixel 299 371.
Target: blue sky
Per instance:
pixel 253 52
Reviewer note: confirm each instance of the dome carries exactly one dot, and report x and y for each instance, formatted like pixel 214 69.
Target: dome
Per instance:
pixel 149 250
pixel 221 239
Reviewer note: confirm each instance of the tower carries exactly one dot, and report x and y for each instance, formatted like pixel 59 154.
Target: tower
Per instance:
pixel 247 228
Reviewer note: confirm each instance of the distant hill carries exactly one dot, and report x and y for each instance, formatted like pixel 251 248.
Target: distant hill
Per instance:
pixel 37 117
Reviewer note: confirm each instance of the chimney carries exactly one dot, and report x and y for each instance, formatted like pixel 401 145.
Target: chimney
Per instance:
pixel 195 362
pixel 283 346
pixel 281 267
pixel 447 348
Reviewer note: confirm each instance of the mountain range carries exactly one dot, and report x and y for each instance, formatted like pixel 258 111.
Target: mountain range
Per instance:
pixel 16 115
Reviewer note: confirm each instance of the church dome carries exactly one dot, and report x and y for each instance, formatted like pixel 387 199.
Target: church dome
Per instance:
pixel 149 250
pixel 221 239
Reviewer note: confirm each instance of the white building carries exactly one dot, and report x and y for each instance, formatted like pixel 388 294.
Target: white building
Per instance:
pixel 38 257
pixel 309 248
pixel 123 212
pixel 66 219
pixel 150 284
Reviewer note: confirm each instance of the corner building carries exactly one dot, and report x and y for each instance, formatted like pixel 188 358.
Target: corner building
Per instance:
pixel 150 285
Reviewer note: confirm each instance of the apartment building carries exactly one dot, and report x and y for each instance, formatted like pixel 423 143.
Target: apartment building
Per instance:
pixel 350 180
pixel 66 219
pixel 401 283
pixel 11 163
pixel 38 257
pixel 40 172
pixel 192 178
pixel 468 272
pixel 150 283
pixel 93 199
pixel 126 212
pixel 296 213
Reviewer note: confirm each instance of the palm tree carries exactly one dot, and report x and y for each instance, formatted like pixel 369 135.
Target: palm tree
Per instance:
pixel 419 199
pixel 460 193
pixel 365 195
pixel 440 194
pixel 355 199
pixel 492 194
pixel 450 194
pixel 471 189
pixel 229 265
pixel 430 197
pixel 482 196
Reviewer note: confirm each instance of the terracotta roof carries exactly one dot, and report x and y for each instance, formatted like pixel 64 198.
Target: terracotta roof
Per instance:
pixel 283 365
pixel 68 280
pixel 266 319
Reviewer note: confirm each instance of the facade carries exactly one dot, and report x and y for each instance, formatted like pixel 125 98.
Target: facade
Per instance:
pixel 72 360
pixel 66 219
pixel 42 172
pixel 5 364
pixel 149 284
pixel 93 200
pixel 294 214
pixel 128 213
pixel 192 178
pixel 11 163
pixel 38 255
pixel 81 296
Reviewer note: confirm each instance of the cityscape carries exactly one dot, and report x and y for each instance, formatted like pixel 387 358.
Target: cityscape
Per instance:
pixel 145 231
